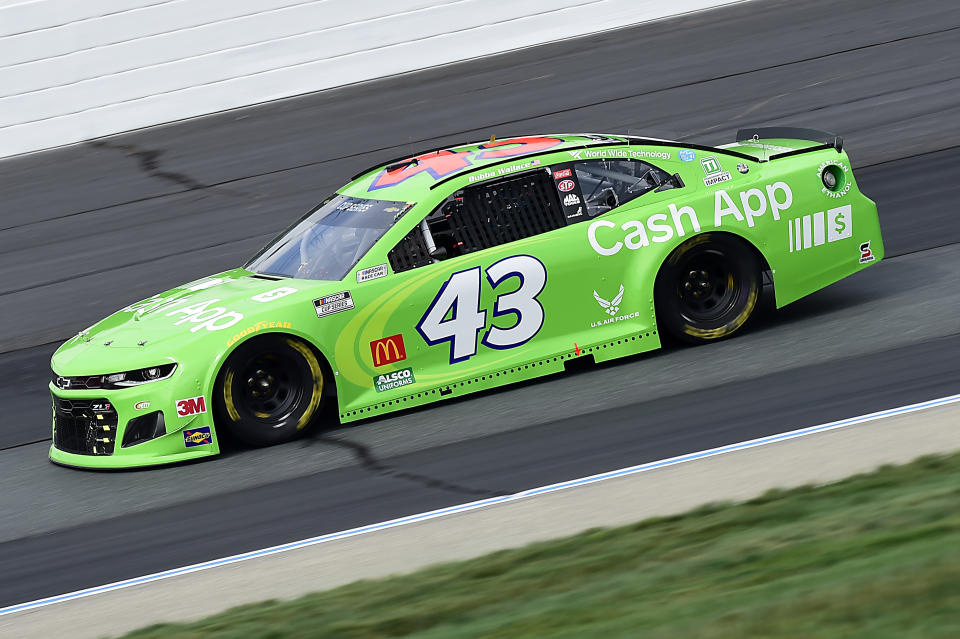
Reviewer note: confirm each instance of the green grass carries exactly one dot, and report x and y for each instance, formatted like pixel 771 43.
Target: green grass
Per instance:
pixel 875 556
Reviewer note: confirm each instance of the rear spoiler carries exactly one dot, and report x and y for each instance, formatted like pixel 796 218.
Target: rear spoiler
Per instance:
pixel 826 140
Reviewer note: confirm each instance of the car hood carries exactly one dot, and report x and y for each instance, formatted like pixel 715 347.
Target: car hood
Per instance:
pixel 156 329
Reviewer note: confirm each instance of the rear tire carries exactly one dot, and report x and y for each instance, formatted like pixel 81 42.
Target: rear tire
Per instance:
pixel 269 390
pixel 708 288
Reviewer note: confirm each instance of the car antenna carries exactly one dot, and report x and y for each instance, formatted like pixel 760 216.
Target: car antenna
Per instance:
pixel 763 147
pixel 396 166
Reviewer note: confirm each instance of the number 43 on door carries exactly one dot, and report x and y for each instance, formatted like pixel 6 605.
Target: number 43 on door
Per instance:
pixel 459 297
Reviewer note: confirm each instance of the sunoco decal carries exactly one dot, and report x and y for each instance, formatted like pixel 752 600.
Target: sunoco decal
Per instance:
pixel 197 436
pixel 396 379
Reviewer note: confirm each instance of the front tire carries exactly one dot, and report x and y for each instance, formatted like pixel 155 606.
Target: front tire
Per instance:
pixel 269 390
pixel 708 288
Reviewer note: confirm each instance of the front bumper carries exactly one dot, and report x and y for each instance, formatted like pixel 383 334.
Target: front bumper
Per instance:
pixel 138 460
pixel 89 425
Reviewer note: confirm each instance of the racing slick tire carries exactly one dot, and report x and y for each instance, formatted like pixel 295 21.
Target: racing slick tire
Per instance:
pixel 708 288
pixel 269 390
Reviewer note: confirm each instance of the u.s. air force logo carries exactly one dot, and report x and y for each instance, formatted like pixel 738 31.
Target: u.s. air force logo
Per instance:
pixel 613 305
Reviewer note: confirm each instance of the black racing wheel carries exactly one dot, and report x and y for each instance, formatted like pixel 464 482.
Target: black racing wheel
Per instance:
pixel 708 288
pixel 269 390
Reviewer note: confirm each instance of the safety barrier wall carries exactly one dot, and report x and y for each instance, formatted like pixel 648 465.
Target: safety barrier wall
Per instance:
pixel 73 70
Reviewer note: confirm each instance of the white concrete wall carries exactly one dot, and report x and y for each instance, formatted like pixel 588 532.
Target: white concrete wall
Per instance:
pixel 72 70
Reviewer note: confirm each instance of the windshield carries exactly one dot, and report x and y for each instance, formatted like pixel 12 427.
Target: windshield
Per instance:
pixel 328 242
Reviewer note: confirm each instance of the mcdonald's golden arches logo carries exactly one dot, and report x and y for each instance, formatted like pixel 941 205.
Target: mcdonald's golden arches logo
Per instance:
pixel 388 350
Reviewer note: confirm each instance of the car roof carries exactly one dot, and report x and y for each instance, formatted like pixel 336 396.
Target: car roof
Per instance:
pixel 406 178
pixel 400 178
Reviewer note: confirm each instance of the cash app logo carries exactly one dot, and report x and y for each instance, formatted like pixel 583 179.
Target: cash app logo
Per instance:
pixel 839 226
pixel 820 228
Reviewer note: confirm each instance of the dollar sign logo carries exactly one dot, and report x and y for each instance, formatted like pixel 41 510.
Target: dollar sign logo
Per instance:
pixel 840 224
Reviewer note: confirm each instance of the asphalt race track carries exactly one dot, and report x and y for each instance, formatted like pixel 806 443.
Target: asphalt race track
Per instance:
pixel 90 228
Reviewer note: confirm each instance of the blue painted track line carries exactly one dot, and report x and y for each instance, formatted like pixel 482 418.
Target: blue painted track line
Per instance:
pixel 483 503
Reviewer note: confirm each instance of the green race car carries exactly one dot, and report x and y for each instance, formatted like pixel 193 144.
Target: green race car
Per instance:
pixel 458 270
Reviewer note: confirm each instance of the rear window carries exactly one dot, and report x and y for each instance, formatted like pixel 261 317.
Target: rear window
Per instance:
pixel 607 184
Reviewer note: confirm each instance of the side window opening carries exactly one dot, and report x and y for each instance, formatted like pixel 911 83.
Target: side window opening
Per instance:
pixel 607 184
pixel 482 216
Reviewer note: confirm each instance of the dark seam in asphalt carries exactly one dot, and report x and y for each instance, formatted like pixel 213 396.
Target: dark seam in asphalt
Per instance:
pixel 500 124
pixel 150 164
pixel 149 160
pixel 368 461
pixel 22 444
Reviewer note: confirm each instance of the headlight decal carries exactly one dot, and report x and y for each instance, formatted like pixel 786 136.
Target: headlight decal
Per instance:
pixel 115 381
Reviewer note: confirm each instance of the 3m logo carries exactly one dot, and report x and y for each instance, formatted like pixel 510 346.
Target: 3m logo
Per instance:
pixel 192 406
pixel 197 436
pixel 814 230
pixel 388 350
